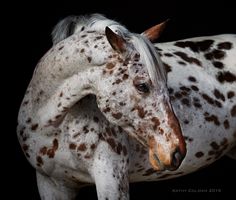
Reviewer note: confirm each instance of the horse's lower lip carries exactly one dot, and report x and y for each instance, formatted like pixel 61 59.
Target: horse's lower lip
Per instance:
pixel 155 161
pixel 159 163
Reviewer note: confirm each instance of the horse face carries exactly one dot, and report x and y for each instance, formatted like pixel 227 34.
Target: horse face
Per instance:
pixel 133 95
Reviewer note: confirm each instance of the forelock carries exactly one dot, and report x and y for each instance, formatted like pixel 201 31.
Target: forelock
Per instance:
pixel 150 59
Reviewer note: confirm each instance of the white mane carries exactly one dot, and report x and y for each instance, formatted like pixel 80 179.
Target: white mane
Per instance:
pixel 97 22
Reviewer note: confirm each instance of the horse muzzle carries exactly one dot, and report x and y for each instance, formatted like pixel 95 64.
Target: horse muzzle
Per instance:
pixel 162 160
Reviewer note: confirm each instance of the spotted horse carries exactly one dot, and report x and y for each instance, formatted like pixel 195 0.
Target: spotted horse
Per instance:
pixel 201 79
pixel 94 98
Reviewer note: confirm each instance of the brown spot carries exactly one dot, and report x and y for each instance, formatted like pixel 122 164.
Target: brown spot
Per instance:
pixel 215 146
pixel 85 129
pixel 195 46
pixel 82 51
pixel 72 146
pixel 87 156
pixel 197 104
pixel 58 105
pixel 110 65
pixel 50 153
pixel 199 154
pixel 117 115
pixel 168 54
pixel 219 95
pixel 178 95
pixel 181 63
pixel 192 79
pixel 218 104
pixel 125 76
pixel 89 59
pixel 208 99
pixel 170 90
pixel 119 148
pixel 43 150
pixel 212 118
pixel 98 37
pixel 156 122
pixel 233 111
pixel 137 56
pixel 195 88
pixel 218 65
pixel 58 116
pixel 226 77
pixel 226 124
pixel 185 101
pixel 107 109
pixel 82 147
pixel 111 142
pixel 167 67
pixel 25 103
pixel 141 112
pixel 25 147
pixel 186 121
pixel 34 127
pixel 185 88
pixel 225 45
pixel 230 94
pixel 55 144
pixel 218 54
pixel 93 146
pixel 60 48
pixel 118 81
pixel 190 60
pixel 28 120
pixel 158 49
pixel 39 161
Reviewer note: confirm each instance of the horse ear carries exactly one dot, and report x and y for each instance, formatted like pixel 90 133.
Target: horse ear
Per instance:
pixel 117 42
pixel 154 32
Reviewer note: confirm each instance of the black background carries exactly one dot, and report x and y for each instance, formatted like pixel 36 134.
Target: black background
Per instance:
pixel 31 27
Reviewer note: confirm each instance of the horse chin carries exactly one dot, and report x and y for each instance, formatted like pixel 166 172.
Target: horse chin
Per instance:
pixel 155 161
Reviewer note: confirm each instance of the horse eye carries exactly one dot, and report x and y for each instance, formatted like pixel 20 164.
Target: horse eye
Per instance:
pixel 143 87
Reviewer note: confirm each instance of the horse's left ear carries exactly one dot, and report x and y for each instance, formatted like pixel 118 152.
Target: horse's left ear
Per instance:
pixel 154 32
pixel 117 42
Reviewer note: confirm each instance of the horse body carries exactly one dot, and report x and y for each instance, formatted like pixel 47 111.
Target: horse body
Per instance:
pixel 74 134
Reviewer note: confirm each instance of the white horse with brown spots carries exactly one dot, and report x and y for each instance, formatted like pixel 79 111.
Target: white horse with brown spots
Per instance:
pixel 90 95
pixel 201 77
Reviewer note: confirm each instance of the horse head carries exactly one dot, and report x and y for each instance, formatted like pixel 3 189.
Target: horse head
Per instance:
pixel 128 79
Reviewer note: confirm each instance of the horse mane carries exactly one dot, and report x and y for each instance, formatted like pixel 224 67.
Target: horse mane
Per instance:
pixel 74 24
pixel 97 22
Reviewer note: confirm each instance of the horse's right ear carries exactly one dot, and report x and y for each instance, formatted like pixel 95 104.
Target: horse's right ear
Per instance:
pixel 154 32
pixel 117 42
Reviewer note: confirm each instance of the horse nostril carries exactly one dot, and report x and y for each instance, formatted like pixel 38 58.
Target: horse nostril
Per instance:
pixel 176 159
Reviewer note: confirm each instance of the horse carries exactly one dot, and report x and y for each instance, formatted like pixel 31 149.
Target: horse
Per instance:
pixel 201 80
pixel 96 97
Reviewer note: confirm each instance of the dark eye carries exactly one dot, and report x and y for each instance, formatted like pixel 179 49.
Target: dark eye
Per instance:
pixel 143 87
